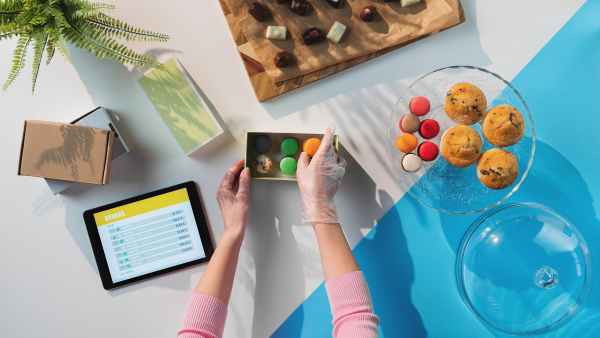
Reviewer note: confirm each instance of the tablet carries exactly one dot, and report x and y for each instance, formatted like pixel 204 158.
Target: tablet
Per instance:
pixel 149 235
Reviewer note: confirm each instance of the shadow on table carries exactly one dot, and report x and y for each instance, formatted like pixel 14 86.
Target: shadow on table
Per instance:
pixel 554 182
pixel 390 276
pixel 390 287
pixel 416 60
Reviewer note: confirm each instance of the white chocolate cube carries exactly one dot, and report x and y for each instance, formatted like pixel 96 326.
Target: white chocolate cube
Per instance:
pixel 336 32
pixel 276 32
pixel 406 3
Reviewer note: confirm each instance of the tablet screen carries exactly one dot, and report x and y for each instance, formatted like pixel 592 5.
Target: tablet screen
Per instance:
pixel 149 235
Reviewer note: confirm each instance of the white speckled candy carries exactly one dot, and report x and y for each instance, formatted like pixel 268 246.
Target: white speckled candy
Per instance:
pixel 405 3
pixel 276 33
pixel 411 163
pixel 336 32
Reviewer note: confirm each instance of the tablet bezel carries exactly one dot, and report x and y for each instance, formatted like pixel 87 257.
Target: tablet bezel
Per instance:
pixel 94 235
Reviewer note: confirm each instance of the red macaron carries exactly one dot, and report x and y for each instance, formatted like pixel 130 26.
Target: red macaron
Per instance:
pixel 429 129
pixel 419 106
pixel 428 151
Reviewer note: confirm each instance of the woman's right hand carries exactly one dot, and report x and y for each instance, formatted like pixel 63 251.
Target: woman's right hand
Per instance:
pixel 234 199
pixel 319 180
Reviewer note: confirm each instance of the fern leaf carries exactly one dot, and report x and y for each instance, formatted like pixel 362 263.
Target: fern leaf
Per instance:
pixel 120 29
pixel 50 49
pixel 60 42
pixel 77 10
pixel 57 15
pixel 38 48
pixel 10 7
pixel 7 35
pixel 18 60
pixel 105 47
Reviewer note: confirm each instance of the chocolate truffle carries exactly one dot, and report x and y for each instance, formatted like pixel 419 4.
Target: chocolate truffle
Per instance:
pixel 282 59
pixel 419 106
pixel 262 144
pixel 410 123
pixel 411 163
pixel 334 3
pixel 407 143
pixel 262 164
pixel 312 35
pixel 428 151
pixel 367 14
pixel 429 129
pixel 288 165
pixel 281 2
pixel 311 145
pixel 300 7
pixel 289 146
pixel 258 11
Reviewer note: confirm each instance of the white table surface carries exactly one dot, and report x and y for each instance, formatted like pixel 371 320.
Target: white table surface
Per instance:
pixel 49 282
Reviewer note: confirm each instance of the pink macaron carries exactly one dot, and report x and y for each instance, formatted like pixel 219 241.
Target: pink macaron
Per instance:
pixel 429 129
pixel 419 106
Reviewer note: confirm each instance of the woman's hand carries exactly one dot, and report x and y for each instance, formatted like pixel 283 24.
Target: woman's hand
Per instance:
pixel 234 199
pixel 319 180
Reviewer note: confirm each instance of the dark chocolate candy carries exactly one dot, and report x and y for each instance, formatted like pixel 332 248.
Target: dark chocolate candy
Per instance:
pixel 312 35
pixel 334 3
pixel 258 11
pixel 367 14
pixel 300 7
pixel 281 2
pixel 282 59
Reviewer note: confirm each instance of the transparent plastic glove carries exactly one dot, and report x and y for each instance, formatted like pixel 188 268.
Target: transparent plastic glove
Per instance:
pixel 319 180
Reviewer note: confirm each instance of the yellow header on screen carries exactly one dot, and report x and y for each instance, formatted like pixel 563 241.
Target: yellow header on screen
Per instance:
pixel 141 207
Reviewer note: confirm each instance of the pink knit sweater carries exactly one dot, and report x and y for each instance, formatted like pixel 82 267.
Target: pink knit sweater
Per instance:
pixel 349 296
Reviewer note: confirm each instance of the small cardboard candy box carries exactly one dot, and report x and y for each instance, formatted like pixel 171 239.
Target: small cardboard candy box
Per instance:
pixel 66 152
pixel 275 153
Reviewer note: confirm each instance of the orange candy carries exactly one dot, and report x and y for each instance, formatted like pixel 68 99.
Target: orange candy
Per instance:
pixel 407 143
pixel 311 145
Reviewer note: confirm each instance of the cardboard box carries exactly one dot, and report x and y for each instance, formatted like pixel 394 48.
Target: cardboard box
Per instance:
pixel 275 153
pixel 97 118
pixel 66 152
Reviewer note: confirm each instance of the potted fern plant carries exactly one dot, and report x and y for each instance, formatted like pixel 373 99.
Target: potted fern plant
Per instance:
pixel 48 25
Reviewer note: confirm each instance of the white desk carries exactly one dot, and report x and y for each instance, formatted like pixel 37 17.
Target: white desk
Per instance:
pixel 49 284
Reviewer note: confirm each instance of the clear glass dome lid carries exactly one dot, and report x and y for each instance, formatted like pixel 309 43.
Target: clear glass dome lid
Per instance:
pixel 522 268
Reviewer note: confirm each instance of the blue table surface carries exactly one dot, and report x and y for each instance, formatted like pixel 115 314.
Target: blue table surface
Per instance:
pixel 409 256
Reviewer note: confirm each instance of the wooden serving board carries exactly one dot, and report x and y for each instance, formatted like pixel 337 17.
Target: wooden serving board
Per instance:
pixel 265 89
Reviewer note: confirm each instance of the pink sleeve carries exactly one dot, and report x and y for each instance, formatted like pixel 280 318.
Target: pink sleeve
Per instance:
pixel 204 317
pixel 351 306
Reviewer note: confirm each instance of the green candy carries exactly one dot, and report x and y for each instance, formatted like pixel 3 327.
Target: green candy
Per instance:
pixel 288 165
pixel 289 146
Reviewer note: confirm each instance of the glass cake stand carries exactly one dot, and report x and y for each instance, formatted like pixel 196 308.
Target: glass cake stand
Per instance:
pixel 524 269
pixel 438 184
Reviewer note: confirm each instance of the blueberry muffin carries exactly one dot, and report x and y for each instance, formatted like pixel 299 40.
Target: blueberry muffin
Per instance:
pixel 497 168
pixel 461 146
pixel 465 104
pixel 503 126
